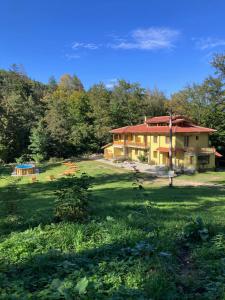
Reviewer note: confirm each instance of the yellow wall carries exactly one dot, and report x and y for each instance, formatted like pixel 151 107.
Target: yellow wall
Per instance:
pixel 201 142
pixel 181 159
pixel 108 152
pixel 161 142
pixel 118 152
pixel 134 153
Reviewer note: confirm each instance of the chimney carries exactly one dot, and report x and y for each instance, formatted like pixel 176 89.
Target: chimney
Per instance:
pixel 145 119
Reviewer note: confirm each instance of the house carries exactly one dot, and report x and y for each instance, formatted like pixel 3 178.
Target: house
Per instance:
pixel 150 141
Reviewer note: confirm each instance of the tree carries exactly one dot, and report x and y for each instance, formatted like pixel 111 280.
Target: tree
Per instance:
pixel 39 141
pixel 155 103
pixel 52 83
pixel 99 98
pixel 218 63
pixel 126 104
pixel 21 107
pixel 70 83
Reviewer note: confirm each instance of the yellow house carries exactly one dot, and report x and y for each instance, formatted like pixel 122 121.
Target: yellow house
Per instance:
pixel 150 141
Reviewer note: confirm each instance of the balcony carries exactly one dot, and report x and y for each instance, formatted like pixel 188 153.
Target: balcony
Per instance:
pixel 119 143
pixel 133 144
pixel 206 150
pixel 136 144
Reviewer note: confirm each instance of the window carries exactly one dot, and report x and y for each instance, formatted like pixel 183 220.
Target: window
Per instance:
pixel 203 159
pixel 155 139
pixel 137 139
pixel 116 137
pixel 155 154
pixel 197 137
pixel 130 137
pixel 167 139
pixel 191 160
pixel 136 151
pixel 186 141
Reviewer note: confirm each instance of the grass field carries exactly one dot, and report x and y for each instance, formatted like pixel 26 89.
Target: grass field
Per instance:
pixel 131 247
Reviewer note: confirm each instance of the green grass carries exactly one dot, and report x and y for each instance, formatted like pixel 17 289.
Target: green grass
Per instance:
pixel 40 259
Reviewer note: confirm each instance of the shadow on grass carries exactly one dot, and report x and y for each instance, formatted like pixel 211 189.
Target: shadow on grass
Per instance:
pixel 6 170
pixel 48 166
pixel 40 270
pixel 33 204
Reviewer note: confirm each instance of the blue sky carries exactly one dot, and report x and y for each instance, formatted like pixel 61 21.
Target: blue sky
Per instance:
pixel 160 43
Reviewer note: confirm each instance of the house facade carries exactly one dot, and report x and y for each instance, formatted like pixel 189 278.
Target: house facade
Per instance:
pixel 150 140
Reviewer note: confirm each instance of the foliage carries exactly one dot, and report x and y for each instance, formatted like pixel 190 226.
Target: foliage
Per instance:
pixel 204 103
pixel 41 259
pixel 22 159
pixel 72 198
pixel 39 142
pixel 143 158
pixel 195 230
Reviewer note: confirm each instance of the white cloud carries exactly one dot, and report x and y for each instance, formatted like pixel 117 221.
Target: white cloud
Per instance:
pixel 72 56
pixel 208 43
pixel 111 83
pixel 148 39
pixel 90 46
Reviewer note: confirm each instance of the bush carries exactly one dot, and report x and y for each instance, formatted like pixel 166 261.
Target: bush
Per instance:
pixel 22 159
pixel 55 159
pixel 143 158
pixel 38 157
pixel 195 230
pixel 72 199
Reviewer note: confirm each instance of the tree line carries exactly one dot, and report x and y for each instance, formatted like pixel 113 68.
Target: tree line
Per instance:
pixel 62 119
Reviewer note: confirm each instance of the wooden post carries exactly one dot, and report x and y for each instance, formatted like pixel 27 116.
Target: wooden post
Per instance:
pixel 170 152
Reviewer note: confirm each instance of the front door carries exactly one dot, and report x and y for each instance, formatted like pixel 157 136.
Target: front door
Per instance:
pixel 165 159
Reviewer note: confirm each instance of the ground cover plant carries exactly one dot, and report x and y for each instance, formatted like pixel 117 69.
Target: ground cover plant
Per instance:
pixel 141 240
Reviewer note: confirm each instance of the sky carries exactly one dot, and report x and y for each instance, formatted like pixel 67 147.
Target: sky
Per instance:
pixel 159 43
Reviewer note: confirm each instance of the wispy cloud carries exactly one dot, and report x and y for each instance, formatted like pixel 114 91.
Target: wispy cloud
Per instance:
pixel 148 39
pixel 208 43
pixel 151 38
pixel 71 56
pixel 90 46
pixel 110 83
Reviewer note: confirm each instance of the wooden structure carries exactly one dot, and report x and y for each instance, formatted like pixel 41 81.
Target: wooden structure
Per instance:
pixel 25 169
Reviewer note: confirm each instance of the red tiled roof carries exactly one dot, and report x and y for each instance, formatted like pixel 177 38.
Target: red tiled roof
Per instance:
pixel 217 154
pixel 164 119
pixel 144 128
pixel 107 145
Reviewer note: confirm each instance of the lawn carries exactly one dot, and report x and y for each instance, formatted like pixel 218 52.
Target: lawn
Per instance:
pixel 131 247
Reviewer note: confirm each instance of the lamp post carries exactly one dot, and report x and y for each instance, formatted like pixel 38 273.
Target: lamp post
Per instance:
pixel 170 151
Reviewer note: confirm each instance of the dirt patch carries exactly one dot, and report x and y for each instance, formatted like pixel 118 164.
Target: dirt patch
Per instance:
pixel 196 183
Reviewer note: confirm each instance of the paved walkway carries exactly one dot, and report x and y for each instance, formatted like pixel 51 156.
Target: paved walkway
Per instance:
pixel 158 171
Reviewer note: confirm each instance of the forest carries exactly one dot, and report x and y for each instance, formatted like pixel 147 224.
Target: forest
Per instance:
pixel 62 119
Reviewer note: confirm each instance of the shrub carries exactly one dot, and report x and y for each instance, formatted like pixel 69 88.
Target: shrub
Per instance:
pixel 195 230
pixel 143 158
pixel 55 159
pixel 38 157
pixel 72 198
pixel 22 159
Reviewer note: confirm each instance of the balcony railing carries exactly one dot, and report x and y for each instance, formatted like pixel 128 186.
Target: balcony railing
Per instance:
pixel 135 144
pixel 130 144
pixel 120 142
pixel 200 149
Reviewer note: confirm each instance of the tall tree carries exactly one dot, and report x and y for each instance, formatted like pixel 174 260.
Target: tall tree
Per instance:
pixel 99 98
pixel 70 83
pixel 126 103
